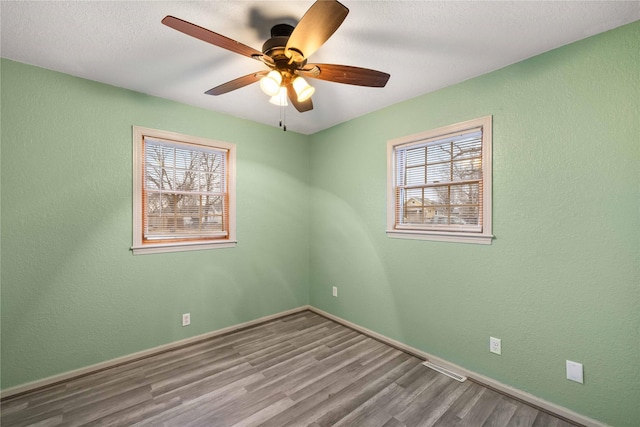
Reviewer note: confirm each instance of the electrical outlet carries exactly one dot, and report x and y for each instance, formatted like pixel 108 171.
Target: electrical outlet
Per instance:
pixel 335 291
pixel 186 319
pixel 575 372
pixel 495 345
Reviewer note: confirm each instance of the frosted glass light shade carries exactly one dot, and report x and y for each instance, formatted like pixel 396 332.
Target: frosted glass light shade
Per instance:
pixel 303 89
pixel 270 84
pixel 280 99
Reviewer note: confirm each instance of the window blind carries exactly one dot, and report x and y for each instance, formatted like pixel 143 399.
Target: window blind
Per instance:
pixel 184 191
pixel 438 183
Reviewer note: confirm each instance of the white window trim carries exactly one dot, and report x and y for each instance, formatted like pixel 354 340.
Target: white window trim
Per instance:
pixel 151 248
pixel 486 236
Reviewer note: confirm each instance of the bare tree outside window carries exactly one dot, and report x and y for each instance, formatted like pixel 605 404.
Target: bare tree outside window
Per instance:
pixel 184 190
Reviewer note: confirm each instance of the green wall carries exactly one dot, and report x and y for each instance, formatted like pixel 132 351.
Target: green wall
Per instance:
pixel 72 292
pixel 562 277
pixel 560 281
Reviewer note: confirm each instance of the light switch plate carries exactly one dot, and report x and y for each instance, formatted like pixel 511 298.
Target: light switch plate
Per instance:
pixel 575 372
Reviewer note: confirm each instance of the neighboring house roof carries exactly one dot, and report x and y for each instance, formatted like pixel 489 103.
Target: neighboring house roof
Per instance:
pixel 417 201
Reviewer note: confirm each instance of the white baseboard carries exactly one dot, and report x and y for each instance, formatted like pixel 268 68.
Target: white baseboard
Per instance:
pixel 23 388
pixel 496 385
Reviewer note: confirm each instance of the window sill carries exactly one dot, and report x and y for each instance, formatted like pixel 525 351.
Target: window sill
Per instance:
pixel 181 247
pixel 475 238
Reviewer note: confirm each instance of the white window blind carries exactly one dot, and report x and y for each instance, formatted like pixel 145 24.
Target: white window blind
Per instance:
pixel 439 184
pixel 184 191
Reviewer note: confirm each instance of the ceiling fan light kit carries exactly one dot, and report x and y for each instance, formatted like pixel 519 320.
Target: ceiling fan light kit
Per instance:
pixel 273 84
pixel 286 54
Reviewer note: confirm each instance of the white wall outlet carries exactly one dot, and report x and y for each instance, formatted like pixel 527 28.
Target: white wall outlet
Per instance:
pixel 186 319
pixel 575 372
pixel 495 345
pixel 335 291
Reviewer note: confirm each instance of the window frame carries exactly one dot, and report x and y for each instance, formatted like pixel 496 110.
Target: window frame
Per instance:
pixel 139 245
pixel 485 236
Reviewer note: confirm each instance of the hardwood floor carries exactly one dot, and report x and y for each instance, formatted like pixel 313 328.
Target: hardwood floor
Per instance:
pixel 300 370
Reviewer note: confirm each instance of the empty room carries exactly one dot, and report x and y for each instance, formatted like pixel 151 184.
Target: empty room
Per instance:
pixel 320 213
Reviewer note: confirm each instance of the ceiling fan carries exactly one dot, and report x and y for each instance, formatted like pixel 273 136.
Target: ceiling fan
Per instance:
pixel 286 54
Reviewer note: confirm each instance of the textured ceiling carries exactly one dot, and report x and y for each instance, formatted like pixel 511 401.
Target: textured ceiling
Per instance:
pixel 424 45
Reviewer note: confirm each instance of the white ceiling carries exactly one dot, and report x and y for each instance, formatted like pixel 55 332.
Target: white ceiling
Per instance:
pixel 424 45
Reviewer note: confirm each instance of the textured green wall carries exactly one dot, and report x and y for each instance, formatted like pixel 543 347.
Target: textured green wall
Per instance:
pixel 72 292
pixel 562 278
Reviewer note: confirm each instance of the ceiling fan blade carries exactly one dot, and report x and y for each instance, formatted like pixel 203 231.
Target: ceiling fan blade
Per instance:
pixel 293 97
pixel 237 83
pixel 345 74
pixel 211 37
pixel 316 26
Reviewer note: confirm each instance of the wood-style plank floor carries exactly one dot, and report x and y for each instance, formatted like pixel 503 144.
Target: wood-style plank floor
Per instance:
pixel 300 370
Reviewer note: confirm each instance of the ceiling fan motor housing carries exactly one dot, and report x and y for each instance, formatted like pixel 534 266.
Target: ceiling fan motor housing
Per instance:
pixel 276 45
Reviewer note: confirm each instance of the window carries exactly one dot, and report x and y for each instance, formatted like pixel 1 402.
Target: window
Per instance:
pixel 439 184
pixel 183 192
